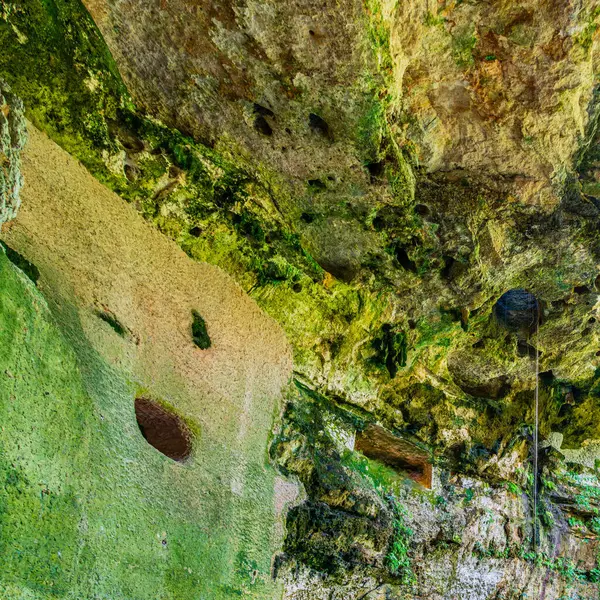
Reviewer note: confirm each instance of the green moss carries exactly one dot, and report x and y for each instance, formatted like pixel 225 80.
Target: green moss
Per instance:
pixel 463 45
pixel 57 62
pixel 586 37
pixel 398 557
pixel 87 508
pixel 199 332
pixel 391 349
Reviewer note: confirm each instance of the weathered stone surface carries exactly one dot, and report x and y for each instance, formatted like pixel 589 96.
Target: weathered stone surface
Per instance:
pixel 12 140
pixel 377 175
pixel 93 509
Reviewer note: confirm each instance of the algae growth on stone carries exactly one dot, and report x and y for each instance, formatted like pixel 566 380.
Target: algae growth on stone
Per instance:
pixel 274 281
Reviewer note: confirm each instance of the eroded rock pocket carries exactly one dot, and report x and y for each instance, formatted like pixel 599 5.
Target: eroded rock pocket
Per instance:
pixel 378 444
pixel 163 429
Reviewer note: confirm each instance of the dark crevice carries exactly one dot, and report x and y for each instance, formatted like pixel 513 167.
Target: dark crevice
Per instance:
pixel 316 184
pixel 263 111
pixel 22 263
pixel 404 260
pixel 261 125
pixel 199 332
pixel 376 169
pixel 391 349
pixel 318 125
pixel 581 289
pixel 378 223
pixel 110 319
pixel 526 350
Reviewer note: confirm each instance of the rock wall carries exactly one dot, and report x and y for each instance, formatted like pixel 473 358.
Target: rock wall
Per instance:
pixel 89 507
pixel 378 177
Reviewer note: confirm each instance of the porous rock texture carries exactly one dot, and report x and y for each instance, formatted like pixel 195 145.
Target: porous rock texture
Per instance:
pixel 376 175
pixel 12 139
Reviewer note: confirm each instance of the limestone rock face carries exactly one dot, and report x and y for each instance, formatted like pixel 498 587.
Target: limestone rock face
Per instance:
pixel 12 140
pixel 412 191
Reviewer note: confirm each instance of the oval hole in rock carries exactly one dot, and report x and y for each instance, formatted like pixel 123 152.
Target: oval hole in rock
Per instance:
pixel 519 311
pixel 422 210
pixel 110 319
pixel 163 430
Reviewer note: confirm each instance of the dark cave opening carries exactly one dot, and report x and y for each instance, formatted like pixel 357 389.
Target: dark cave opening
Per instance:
pixel 163 430
pixel 518 311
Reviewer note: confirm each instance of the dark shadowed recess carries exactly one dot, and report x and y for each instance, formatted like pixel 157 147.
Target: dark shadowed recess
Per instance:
pixel 163 430
pixel 518 311
pixel 378 444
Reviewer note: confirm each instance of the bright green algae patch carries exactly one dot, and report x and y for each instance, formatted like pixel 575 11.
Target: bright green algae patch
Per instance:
pixel 87 508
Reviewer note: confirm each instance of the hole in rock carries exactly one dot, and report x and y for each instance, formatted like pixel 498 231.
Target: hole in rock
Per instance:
pixel 519 311
pixel 449 264
pixel 422 210
pixel 196 232
pixel 404 260
pixel 307 217
pixel 591 320
pixel 318 125
pixel 297 287
pixel 378 223
pixel 378 444
pixel 376 169
pixel 581 289
pixel 163 430
pixel 316 184
pixel 199 331
pixel 131 172
pixel 526 350
pixel 261 125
